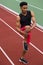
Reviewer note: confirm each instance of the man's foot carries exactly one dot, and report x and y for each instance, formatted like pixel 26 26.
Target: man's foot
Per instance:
pixel 23 60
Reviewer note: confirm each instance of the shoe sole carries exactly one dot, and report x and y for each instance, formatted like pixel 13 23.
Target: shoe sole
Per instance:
pixel 22 62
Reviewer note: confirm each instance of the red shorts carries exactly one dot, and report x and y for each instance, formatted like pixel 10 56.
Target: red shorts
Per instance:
pixel 29 35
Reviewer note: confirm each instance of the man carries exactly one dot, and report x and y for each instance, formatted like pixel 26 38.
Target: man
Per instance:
pixel 24 26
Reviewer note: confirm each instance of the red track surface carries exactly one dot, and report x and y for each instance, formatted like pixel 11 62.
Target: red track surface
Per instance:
pixel 12 45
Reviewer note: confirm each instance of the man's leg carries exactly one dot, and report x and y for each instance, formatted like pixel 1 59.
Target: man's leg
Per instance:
pixel 25 48
pixel 26 43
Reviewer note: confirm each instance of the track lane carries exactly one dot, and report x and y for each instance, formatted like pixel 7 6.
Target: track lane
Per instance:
pixel 37 37
pixel 13 47
pixel 3 60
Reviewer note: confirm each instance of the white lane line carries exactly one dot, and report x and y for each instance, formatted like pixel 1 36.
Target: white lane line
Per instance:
pixel 36 48
pixel 20 35
pixel 0 47
pixel 39 29
pixel 6 56
pixel 31 5
pixel 15 14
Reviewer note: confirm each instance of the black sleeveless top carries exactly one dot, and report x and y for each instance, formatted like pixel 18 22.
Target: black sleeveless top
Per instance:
pixel 25 20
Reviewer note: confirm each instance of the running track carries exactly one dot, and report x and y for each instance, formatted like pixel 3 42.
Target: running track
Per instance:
pixel 11 42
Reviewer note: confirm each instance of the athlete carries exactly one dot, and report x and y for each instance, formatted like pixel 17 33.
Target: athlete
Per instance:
pixel 24 27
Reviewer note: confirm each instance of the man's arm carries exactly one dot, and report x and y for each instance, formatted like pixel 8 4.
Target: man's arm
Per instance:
pixel 33 20
pixel 18 26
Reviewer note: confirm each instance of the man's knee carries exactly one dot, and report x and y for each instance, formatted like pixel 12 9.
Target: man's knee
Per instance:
pixel 25 47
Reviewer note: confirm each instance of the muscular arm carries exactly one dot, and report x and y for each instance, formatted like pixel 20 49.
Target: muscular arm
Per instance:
pixel 18 26
pixel 33 20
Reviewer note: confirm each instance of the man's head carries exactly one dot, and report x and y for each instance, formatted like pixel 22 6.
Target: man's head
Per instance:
pixel 24 7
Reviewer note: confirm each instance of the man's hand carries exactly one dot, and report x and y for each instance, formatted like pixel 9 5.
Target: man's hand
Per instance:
pixel 25 34
pixel 28 29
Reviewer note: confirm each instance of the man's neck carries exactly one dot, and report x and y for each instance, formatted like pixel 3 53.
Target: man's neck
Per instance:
pixel 24 13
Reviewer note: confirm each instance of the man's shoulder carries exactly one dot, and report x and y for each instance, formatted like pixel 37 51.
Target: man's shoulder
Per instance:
pixel 18 17
pixel 29 11
pixel 20 14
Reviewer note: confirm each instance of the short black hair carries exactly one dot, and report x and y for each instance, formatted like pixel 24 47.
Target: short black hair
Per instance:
pixel 23 3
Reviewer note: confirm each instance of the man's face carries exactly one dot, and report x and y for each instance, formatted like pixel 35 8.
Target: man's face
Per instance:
pixel 24 8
